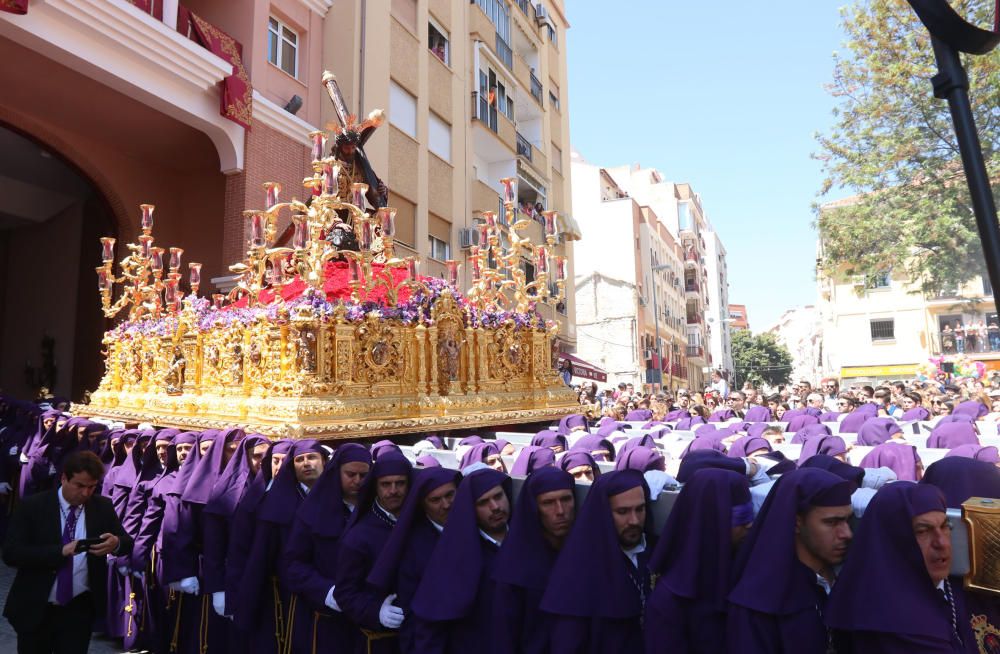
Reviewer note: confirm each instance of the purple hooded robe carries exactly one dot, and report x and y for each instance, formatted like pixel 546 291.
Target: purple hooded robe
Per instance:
pixel 901 457
pixel 522 570
pixel 531 458
pixel 595 592
pixel 952 434
pixel 776 603
pixel 686 613
pixel 908 614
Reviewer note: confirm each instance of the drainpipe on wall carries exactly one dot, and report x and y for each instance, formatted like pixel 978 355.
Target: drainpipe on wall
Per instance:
pixel 361 59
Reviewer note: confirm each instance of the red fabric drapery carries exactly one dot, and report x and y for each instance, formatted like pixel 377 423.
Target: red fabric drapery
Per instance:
pixel 19 7
pixel 237 94
pixel 337 286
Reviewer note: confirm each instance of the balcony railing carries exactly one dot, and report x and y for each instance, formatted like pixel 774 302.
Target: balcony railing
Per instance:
pixel 971 341
pixel 504 52
pixel 694 319
pixel 482 111
pixel 692 287
pixel 536 88
pixel 523 147
pixel 695 351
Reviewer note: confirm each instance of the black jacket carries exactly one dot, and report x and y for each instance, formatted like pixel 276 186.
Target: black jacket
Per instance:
pixel 34 546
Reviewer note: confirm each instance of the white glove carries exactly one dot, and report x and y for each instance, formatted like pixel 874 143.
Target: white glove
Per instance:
pixel 4 488
pixel 390 616
pixel 331 602
pixel 23 458
pixel 52 469
pixel 187 585
pixel 13 450
pixel 219 603
pixel 123 570
pixel 876 478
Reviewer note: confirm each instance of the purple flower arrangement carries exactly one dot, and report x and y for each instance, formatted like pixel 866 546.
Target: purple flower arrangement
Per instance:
pixel 415 310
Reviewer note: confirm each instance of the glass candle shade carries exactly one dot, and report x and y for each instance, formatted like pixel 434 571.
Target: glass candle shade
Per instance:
pixel 491 220
pixel 256 229
pixel 354 269
pixel 550 222
pixel 387 221
pixel 217 299
pixel 107 249
pixel 194 275
pixel 411 268
pixel 452 267
pixel 484 235
pixel 365 237
pixel 272 190
pixel 170 291
pixel 146 222
pixel 156 260
pixel 102 278
pixel 358 190
pixel 509 189
pixel 329 177
pixel 300 238
pixel 318 145
pixel 145 243
pixel 476 267
pixel 175 259
pixel 542 259
pixel 560 263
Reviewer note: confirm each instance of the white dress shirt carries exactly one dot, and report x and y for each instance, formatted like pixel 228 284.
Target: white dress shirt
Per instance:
pixel 80 584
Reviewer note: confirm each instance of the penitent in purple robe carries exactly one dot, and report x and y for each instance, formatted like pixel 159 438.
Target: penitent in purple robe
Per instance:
pixel 595 592
pixel 309 561
pixel 400 566
pixel 776 604
pixel 908 613
pixel 367 533
pixel 686 613
pixel 455 597
pixel 263 609
pixel 522 568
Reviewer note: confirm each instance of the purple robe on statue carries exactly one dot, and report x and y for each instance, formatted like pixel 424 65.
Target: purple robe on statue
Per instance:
pixel 686 613
pixel 596 593
pixel 454 601
pixel 309 561
pixel 776 604
pixel 908 613
pixel 263 609
pixel 522 568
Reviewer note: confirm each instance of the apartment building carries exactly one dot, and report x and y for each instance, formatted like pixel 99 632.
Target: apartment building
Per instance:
pixel 881 326
pixel 474 92
pixel 189 106
pixel 631 307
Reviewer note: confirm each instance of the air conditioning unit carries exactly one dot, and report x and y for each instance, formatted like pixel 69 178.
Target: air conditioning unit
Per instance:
pixel 468 237
pixel 541 16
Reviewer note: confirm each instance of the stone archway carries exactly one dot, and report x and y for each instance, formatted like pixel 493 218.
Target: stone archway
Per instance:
pixel 51 215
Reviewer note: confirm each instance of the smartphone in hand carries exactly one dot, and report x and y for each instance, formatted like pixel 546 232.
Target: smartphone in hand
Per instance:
pixel 84 544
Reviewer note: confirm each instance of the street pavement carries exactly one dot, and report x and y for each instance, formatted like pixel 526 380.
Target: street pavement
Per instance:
pixel 8 639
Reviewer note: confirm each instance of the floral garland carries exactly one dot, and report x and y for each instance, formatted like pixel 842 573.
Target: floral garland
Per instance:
pixel 415 310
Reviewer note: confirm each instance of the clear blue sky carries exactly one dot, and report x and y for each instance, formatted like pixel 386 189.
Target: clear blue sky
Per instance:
pixel 726 95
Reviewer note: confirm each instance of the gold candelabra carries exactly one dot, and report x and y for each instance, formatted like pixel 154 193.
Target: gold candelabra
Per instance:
pixel 142 275
pixel 498 279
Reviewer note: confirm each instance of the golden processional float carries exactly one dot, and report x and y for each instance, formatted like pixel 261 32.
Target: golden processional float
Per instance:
pixel 316 340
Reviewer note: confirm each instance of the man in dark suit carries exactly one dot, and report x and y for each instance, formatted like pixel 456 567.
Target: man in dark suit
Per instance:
pixel 60 589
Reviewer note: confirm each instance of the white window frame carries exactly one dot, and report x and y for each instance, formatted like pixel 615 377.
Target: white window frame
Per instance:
pixel 444 34
pixel 276 28
pixel 435 245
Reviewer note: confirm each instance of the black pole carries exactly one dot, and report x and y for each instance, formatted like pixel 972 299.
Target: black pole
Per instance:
pixel 952 84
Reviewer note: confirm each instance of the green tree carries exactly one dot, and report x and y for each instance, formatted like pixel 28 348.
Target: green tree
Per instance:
pixel 759 359
pixel 892 144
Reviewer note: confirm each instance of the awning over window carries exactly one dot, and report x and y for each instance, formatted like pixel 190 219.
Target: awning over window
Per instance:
pixel 581 368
